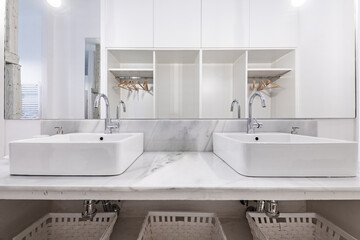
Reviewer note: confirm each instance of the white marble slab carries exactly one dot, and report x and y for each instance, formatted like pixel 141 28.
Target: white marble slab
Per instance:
pixel 179 135
pixel 176 176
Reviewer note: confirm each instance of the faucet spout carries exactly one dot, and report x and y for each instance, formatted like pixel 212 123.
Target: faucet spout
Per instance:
pixel 263 104
pixel 238 107
pixel 252 122
pixel 261 96
pixel 97 103
pixel 121 102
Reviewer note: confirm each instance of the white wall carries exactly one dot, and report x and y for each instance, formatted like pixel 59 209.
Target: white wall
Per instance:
pixel 325 70
pixel 345 129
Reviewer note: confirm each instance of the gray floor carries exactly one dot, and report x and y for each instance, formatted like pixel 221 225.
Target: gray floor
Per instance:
pixel 129 228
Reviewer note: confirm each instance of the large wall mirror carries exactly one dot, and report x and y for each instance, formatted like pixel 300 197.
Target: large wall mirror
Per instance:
pixel 180 59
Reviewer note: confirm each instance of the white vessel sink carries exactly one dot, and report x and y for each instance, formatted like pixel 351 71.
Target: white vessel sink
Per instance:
pixel 286 155
pixel 76 154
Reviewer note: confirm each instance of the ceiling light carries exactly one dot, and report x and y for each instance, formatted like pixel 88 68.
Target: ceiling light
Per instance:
pixel 54 3
pixel 297 3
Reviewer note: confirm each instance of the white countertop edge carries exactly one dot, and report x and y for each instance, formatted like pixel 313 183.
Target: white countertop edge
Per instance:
pixel 175 176
pixel 178 195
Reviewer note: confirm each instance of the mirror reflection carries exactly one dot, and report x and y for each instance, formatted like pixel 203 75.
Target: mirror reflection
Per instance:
pixel 56 58
pixel 165 63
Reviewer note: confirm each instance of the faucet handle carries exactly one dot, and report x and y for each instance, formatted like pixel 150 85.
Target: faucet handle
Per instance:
pixel 294 130
pixel 117 123
pixel 257 124
pixel 113 124
pixel 59 130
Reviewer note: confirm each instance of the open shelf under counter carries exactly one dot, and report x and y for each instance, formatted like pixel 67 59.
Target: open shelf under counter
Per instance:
pixel 270 73
pixel 128 72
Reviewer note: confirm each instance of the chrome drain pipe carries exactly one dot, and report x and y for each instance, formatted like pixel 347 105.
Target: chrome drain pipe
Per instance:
pixel 89 210
pixel 269 207
pixel 272 209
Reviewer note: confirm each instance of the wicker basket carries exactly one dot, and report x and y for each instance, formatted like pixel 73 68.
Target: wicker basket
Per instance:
pixel 56 226
pixel 294 226
pixel 181 226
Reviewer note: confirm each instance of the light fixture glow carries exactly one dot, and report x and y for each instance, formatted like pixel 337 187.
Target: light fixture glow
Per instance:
pixel 297 3
pixel 54 3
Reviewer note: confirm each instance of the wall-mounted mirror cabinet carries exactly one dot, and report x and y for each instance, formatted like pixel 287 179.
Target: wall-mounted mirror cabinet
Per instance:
pixel 180 59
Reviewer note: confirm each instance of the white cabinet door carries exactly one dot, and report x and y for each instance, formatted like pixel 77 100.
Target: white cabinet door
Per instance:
pixel 273 23
pixel 225 23
pixel 129 23
pixel 177 23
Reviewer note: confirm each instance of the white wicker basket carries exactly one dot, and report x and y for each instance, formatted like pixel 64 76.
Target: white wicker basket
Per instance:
pixel 181 226
pixel 61 226
pixel 294 226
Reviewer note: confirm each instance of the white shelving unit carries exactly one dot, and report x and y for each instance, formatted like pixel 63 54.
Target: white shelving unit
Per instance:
pixel 177 74
pixel 276 65
pixel 134 65
pixel 223 80
pixel 267 73
pixel 139 73
pixel 130 59
pixel 201 83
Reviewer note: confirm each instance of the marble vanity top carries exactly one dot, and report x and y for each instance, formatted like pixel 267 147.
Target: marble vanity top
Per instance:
pixel 175 176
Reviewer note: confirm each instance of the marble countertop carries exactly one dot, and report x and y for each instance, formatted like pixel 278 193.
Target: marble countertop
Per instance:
pixel 175 176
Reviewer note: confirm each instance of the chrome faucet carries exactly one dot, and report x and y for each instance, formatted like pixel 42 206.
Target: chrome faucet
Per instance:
pixel 109 125
pixel 121 102
pixel 294 130
pixel 252 123
pixel 238 107
pixel 59 130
